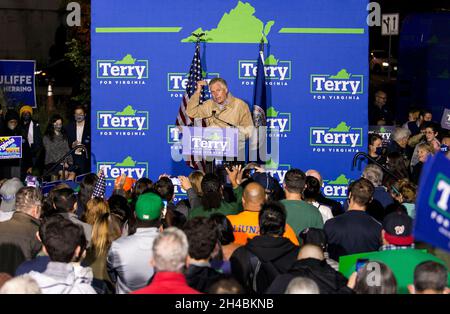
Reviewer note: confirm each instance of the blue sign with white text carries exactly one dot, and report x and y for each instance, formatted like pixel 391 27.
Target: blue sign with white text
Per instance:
pixel 10 147
pixel 315 67
pixel 432 223
pixel 17 81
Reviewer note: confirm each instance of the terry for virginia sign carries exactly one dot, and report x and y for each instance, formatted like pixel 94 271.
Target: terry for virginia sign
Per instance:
pixel 433 204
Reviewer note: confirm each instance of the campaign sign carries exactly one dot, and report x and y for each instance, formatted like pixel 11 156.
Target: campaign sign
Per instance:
pixel 210 142
pixel 10 147
pixel 142 50
pixel 432 223
pixel 384 131
pixel 17 81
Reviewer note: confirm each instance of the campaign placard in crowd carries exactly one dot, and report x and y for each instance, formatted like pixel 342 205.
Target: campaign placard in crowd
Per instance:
pixel 432 223
pixel 17 81
pixel 385 131
pixel 10 147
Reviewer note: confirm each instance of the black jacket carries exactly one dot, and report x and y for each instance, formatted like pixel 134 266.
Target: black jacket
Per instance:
pixel 71 130
pixel 24 163
pixel 201 278
pixel 37 145
pixel 280 251
pixel 80 161
pixel 327 279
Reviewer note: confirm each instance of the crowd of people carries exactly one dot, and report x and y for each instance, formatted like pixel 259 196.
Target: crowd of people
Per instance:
pixel 240 233
pixel 42 153
pixel 252 236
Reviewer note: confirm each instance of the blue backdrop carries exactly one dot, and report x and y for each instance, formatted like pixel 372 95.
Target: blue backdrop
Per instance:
pixel 316 72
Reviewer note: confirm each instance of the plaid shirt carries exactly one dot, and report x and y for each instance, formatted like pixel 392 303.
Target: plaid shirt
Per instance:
pixel 389 247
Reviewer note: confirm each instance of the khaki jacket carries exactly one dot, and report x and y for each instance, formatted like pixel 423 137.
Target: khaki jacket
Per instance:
pixel 235 112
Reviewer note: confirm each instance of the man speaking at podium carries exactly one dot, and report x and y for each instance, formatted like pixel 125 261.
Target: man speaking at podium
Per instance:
pixel 223 110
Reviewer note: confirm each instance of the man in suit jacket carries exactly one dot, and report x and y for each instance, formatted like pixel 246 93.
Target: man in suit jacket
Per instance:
pixel 78 132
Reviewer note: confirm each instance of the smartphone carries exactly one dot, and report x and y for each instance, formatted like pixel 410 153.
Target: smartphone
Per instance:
pixel 32 181
pixel 175 180
pixel 360 262
pixel 252 171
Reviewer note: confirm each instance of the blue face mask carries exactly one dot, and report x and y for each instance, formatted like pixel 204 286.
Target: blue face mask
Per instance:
pixel 379 151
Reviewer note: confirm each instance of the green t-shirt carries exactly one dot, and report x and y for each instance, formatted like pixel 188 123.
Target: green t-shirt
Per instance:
pixel 302 215
pixel 402 262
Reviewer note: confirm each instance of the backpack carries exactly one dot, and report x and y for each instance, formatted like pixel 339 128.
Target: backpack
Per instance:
pixel 260 274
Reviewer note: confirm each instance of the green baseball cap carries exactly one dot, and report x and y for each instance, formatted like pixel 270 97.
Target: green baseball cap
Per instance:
pixel 148 206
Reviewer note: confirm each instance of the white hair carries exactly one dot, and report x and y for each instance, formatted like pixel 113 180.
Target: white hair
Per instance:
pixel 400 133
pixel 301 285
pixel 24 284
pixel 374 174
pixel 170 250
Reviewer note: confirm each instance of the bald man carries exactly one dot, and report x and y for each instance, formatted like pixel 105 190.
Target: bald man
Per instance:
pixel 246 223
pixel 311 251
pixel 336 207
pixel 311 264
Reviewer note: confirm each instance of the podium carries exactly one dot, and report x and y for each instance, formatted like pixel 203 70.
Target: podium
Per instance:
pixel 217 146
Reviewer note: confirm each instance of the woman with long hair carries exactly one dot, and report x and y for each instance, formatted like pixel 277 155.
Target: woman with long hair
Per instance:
pixel 85 194
pixel 56 146
pixel 105 230
pixel 95 208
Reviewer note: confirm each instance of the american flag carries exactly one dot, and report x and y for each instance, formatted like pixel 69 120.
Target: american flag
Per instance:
pixel 195 75
pixel 100 185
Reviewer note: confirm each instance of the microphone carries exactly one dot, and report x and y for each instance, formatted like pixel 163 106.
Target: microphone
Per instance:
pixel 216 117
